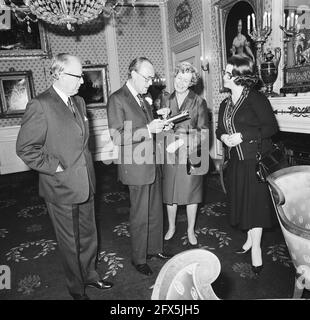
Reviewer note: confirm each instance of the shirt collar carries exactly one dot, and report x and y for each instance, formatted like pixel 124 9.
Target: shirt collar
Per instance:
pixel 132 90
pixel 62 95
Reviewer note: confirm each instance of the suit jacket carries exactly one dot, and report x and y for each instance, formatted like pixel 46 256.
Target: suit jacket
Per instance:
pixel 51 135
pixel 127 124
pixel 253 117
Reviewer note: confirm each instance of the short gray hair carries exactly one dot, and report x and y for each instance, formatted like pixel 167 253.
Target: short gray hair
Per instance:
pixel 58 64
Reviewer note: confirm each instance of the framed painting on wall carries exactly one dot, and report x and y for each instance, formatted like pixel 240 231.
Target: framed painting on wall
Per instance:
pixel 232 30
pixel 95 88
pixel 20 40
pixel 16 89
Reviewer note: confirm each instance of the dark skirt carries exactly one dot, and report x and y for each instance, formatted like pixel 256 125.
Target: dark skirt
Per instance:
pixel 249 200
pixel 179 187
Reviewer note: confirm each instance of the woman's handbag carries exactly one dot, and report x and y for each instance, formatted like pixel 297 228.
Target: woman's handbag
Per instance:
pixel 267 163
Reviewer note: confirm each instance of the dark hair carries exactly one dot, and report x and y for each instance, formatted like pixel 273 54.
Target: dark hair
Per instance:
pixel 136 63
pixel 186 67
pixel 243 70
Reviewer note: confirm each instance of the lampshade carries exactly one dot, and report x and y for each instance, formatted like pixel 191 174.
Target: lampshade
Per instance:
pixel 66 12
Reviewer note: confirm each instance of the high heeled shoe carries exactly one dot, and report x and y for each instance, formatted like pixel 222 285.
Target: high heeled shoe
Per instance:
pixel 193 244
pixel 242 251
pixel 169 235
pixel 257 269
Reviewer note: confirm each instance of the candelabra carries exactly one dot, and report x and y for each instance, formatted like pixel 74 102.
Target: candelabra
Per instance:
pixel 291 34
pixel 259 35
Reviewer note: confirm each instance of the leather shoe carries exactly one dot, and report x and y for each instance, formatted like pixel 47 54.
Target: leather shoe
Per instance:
pixel 257 270
pixel 160 255
pixel 143 268
pixel 77 296
pixel 100 284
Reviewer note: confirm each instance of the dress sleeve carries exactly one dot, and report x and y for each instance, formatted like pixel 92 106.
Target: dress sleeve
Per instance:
pixel 220 124
pixel 267 120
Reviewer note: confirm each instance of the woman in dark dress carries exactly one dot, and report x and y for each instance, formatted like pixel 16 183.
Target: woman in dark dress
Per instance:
pixel 245 116
pixel 179 186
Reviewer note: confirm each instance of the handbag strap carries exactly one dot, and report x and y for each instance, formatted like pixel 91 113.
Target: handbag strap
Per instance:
pixel 259 145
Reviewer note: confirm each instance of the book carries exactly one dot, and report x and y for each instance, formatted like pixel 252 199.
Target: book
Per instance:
pixel 180 117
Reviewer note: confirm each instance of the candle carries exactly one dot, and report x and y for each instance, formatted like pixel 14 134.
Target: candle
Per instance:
pixel 298 27
pixel 292 19
pixel 249 23
pixel 269 20
pixel 296 19
pixel 265 20
pixel 284 21
pixel 253 21
pixel 288 23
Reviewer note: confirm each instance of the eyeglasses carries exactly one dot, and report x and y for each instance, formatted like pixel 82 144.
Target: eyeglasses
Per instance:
pixel 146 79
pixel 74 75
pixel 229 75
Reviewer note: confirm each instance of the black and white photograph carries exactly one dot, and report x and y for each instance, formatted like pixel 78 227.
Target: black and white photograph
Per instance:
pixel 155 155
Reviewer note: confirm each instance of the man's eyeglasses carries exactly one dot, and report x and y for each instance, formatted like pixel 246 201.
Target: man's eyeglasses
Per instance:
pixel 74 75
pixel 146 79
pixel 229 75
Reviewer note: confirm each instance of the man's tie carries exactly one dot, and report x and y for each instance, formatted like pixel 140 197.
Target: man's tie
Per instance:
pixel 142 104
pixel 70 105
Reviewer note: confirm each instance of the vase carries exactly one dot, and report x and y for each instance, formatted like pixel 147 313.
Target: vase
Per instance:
pixel 269 74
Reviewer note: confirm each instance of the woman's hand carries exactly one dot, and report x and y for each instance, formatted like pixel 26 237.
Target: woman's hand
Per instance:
pixel 225 139
pixel 231 140
pixel 164 112
pixel 235 139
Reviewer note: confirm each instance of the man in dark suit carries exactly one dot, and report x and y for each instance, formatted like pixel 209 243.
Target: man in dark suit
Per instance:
pixel 53 140
pixel 132 128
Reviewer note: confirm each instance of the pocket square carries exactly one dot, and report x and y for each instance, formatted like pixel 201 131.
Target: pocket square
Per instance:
pixel 85 118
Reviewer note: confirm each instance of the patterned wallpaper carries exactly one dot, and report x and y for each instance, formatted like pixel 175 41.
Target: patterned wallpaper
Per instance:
pixel 139 34
pixel 195 27
pixel 89 45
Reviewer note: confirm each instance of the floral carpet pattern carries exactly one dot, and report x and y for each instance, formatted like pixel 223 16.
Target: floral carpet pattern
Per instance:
pixel 29 248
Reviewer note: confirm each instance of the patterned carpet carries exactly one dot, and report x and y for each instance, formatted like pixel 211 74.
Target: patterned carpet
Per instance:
pixel 29 248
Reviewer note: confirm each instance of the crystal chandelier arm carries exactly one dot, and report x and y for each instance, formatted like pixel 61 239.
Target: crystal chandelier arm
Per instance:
pixel 63 6
pixel 61 12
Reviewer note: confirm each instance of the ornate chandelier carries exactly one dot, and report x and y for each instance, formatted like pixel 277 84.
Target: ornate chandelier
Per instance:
pixel 65 12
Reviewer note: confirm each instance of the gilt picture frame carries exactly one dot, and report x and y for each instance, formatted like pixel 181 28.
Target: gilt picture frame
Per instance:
pixel 16 89
pixel 228 15
pixel 95 89
pixel 22 41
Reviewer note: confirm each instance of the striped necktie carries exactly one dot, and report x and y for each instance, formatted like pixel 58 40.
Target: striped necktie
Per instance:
pixel 142 105
pixel 70 105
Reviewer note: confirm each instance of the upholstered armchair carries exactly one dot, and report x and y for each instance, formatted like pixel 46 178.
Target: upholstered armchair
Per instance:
pixel 188 276
pixel 290 190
